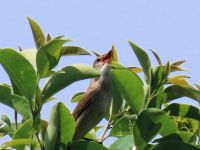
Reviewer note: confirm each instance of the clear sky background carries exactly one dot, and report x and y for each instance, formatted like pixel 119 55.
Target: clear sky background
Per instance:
pixel 171 28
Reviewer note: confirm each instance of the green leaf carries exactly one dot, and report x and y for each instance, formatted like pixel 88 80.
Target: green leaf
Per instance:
pixel 21 105
pixel 143 59
pixel 116 102
pixel 6 119
pixel 5 92
pixel 20 71
pixel 91 135
pixel 73 50
pixel 86 145
pixel 67 76
pixel 157 99
pixel 125 143
pixel 130 87
pixel 157 78
pixel 183 110
pixel 8 130
pixel 173 145
pixel 30 55
pixel 60 129
pixel 175 91
pixel 150 122
pixel 48 56
pixel 18 103
pixel 170 128
pixel 122 127
pixel 18 142
pixel 25 131
pixel 38 34
pixel 182 136
pixel 157 57
pixel 76 98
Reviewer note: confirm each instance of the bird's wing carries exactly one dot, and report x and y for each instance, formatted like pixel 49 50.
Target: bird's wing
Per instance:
pixel 85 101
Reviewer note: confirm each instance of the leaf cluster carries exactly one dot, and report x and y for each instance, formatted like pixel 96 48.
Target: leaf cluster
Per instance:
pixel 143 114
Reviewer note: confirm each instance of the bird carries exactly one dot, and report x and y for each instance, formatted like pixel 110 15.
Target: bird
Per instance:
pixel 95 102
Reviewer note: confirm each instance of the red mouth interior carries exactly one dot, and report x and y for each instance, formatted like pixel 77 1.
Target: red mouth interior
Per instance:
pixel 107 56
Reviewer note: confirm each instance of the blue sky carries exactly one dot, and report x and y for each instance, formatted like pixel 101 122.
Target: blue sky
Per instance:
pixel 171 28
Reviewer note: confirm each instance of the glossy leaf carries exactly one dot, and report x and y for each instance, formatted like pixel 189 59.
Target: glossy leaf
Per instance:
pixel 182 136
pixel 38 34
pixel 179 80
pixel 173 145
pixel 73 50
pixel 18 142
pixel 25 131
pixel 91 135
pixel 5 92
pixel 150 122
pixel 143 59
pixel 130 87
pixel 157 100
pixel 136 69
pixel 116 102
pixel 60 129
pixel 125 143
pixel 48 56
pixel 157 78
pixel 183 110
pixel 67 76
pixel 122 127
pixel 76 98
pixel 157 57
pixel 86 145
pixel 173 92
pixel 18 103
pixel 167 69
pixel 20 71
pixel 170 128
pixel 30 55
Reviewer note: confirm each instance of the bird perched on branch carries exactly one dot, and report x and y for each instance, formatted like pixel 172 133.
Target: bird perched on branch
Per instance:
pixel 96 101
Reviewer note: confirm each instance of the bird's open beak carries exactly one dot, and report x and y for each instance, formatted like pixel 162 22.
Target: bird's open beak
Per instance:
pixel 107 58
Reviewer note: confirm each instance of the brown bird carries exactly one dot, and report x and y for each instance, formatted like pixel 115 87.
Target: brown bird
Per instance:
pixel 96 101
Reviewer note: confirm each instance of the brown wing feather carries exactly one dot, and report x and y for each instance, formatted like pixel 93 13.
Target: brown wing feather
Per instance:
pixel 85 101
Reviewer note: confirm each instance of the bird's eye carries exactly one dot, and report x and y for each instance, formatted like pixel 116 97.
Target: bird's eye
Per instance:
pixel 98 59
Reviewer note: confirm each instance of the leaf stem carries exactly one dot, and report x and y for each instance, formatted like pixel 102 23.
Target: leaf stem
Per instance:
pixel 16 124
pixel 104 133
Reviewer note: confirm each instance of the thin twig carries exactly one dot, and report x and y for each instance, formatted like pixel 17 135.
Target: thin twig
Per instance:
pixel 40 143
pixel 106 129
pixel 16 124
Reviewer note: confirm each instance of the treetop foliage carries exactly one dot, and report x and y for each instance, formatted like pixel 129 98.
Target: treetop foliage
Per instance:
pixel 142 116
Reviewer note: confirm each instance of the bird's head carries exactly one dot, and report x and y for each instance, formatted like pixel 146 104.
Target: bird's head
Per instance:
pixel 102 63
